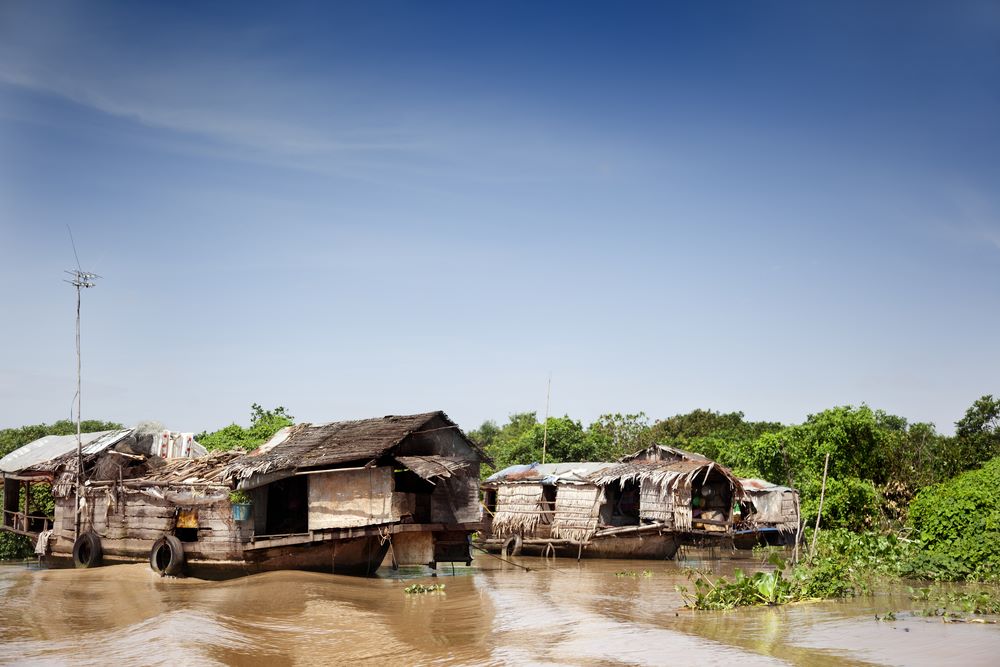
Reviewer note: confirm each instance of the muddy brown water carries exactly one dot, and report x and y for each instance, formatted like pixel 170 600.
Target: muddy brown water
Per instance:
pixel 560 613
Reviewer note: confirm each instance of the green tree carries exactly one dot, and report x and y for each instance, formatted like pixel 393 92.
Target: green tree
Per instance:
pixel 616 435
pixel 719 436
pixel 501 442
pixel 263 425
pixel 978 434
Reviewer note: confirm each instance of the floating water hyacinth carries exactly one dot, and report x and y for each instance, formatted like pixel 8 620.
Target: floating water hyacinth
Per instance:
pixel 420 588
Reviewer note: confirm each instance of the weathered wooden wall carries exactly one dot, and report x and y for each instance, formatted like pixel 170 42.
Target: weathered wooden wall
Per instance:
pixel 456 499
pixel 416 548
pixel 129 522
pixel 351 498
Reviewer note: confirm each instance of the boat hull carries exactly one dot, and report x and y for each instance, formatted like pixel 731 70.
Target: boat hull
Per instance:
pixel 645 547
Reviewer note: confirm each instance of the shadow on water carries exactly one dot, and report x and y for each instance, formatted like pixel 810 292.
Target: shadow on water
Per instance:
pixel 559 612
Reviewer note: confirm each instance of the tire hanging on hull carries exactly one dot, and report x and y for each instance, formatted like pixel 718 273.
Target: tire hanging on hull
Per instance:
pixel 87 550
pixel 166 558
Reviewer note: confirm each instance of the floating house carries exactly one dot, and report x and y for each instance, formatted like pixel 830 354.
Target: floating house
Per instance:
pixel 770 516
pixel 642 506
pixel 336 497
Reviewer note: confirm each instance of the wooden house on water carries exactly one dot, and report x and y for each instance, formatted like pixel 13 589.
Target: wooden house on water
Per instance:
pixel 334 497
pixel 642 506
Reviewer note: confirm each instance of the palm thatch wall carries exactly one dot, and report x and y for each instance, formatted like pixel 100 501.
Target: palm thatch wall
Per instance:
pixel 656 502
pixel 519 507
pixel 577 510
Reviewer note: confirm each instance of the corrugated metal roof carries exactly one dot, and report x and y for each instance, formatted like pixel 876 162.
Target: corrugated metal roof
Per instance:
pixel 662 452
pixel 53 446
pixel 549 473
pixel 759 485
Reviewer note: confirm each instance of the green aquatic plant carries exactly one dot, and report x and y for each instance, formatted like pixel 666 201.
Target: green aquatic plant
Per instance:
pixel 762 588
pixel 633 573
pixel 977 602
pixel 421 588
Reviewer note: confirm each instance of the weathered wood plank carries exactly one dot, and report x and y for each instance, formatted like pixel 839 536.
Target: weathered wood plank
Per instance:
pixel 144 511
pixel 127 547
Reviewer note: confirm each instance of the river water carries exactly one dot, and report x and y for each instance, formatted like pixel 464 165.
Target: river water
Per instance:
pixel 559 613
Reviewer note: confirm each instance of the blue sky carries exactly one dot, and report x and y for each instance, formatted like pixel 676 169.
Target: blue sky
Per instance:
pixel 360 209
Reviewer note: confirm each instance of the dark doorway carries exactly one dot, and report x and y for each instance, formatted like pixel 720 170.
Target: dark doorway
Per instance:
pixel 548 504
pixel 288 506
pixel 623 501
pixel 419 491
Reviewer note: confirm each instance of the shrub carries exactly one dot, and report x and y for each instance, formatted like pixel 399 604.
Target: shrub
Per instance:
pixel 13 546
pixel 958 523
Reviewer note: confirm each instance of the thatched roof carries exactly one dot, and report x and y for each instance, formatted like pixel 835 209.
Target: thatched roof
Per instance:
pixel 202 470
pixel 665 471
pixel 431 466
pixel 309 446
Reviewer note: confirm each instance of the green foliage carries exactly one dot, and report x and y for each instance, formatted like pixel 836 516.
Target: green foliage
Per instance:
pixel 520 440
pixel 845 564
pixel 725 437
pixel 240 497
pixel 978 433
pixel 969 602
pixel 421 588
pixel 763 588
pixel 850 503
pixel 958 523
pixel 41 499
pixel 617 435
pixel 263 425
pixel 14 546
pixel 12 438
pixel 684 431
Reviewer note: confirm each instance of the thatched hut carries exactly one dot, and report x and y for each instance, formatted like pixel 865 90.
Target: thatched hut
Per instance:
pixel 770 514
pixel 639 507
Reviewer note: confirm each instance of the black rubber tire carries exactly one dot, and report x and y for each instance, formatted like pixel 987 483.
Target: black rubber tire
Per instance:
pixel 167 556
pixel 512 546
pixel 87 550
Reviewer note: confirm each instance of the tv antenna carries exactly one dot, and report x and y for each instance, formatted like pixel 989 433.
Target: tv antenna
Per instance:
pixel 81 280
pixel 545 425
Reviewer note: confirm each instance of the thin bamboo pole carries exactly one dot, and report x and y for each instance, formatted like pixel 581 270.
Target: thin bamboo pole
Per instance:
pixel 798 508
pixel 822 493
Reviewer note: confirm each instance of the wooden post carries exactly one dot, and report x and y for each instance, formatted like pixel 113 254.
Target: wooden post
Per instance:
pixel 27 499
pixel 798 509
pixel 822 493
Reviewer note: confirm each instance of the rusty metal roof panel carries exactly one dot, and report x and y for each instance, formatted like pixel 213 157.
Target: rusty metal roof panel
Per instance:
pixel 52 447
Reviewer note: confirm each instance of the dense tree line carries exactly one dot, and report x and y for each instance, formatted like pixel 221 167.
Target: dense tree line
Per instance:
pixel 878 461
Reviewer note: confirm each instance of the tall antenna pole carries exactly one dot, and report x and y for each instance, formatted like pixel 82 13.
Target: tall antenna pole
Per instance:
pixel 545 425
pixel 80 280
